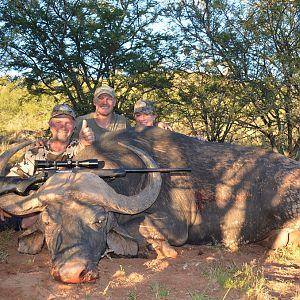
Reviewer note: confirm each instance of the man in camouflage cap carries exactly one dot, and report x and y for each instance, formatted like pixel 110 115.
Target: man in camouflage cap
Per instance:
pixel 104 118
pixel 58 147
pixel 145 114
pixel 62 109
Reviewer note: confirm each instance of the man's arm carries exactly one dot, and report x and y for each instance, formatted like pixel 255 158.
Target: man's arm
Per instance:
pixel 25 167
pixel 86 137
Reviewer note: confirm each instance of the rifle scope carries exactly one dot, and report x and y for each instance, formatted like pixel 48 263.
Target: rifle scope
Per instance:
pixel 70 164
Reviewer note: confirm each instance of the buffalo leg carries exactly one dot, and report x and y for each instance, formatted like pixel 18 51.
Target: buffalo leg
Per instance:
pixel 294 237
pixel 148 234
pixel 280 238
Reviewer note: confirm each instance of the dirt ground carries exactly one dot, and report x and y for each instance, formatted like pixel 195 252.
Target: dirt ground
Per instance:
pixel 192 275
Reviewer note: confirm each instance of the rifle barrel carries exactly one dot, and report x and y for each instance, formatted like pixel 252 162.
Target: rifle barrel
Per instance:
pixel 104 173
pixel 161 170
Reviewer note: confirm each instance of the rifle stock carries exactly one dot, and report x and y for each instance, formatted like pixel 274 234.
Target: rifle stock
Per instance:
pixel 19 185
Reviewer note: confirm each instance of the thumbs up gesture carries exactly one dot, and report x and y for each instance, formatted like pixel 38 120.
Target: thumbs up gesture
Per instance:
pixel 86 135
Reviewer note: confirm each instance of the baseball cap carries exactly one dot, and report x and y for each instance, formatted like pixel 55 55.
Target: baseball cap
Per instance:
pixel 63 109
pixel 144 106
pixel 105 90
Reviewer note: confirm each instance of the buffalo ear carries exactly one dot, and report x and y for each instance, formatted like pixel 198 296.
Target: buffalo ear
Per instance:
pixel 121 242
pixel 31 242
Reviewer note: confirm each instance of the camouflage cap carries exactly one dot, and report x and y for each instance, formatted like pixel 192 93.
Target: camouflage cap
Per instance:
pixel 105 90
pixel 144 106
pixel 62 109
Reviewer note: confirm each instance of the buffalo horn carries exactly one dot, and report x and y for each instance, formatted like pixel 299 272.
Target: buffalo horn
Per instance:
pixel 99 191
pixel 4 158
pixel 13 203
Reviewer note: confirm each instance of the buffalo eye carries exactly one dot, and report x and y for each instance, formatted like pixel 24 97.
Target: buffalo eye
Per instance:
pixel 100 221
pixel 45 218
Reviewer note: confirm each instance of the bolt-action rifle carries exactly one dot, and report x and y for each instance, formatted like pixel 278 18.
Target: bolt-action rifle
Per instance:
pixel 46 168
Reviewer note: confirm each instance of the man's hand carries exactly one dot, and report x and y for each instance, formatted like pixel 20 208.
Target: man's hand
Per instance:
pixel 164 125
pixel 86 135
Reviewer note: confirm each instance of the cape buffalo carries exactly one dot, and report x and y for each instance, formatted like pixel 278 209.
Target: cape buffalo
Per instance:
pixel 233 195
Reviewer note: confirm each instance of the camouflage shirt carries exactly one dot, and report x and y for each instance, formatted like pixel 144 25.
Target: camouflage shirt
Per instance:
pixel 25 167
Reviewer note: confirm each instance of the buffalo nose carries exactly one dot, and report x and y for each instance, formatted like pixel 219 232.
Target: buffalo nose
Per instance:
pixel 73 272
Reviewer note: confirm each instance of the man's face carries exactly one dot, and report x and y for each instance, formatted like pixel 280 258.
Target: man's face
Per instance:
pixel 104 104
pixel 144 119
pixel 62 127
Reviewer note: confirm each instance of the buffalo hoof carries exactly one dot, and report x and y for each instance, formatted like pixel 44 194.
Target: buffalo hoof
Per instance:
pixel 294 237
pixel 164 250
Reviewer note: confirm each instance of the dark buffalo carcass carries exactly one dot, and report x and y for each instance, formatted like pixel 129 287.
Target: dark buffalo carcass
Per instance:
pixel 233 195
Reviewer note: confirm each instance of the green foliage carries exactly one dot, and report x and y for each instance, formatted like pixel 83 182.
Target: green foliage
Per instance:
pixel 74 46
pixel 204 105
pixel 20 111
pixel 255 47
pixel 288 253
pixel 250 278
pixel 227 70
pixel 132 295
pixel 198 296
pixel 220 274
pixel 159 291
pixel 122 270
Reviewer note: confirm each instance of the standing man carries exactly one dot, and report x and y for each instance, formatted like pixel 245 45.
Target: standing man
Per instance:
pixel 144 114
pixel 58 147
pixel 104 118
